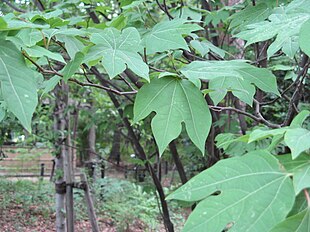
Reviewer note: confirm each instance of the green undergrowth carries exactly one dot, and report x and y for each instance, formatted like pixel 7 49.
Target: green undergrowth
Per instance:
pixel 118 203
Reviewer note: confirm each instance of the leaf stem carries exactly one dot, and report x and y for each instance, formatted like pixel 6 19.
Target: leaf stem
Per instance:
pixel 307 197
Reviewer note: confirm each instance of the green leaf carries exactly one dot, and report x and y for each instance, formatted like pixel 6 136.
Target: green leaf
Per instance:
pixel 50 84
pixel 259 134
pixel 2 113
pixel 37 51
pixel 233 145
pixel 300 167
pixel 255 195
pixel 186 12
pixel 18 83
pixel 237 77
pixel 297 223
pixel 204 47
pixel 14 23
pixel 240 88
pixel 251 14
pixel 72 44
pixel 300 118
pixel 30 37
pixel 174 101
pixel 304 37
pixel 300 204
pixel 118 50
pixel 167 35
pixel 118 22
pixel 298 140
pixel 3 23
pixel 72 66
pixel 285 24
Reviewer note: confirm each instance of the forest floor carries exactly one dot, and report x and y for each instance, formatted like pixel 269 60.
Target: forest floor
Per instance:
pixel 15 219
pixel 27 205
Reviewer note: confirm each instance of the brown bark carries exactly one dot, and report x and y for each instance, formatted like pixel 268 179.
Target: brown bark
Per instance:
pixel 115 153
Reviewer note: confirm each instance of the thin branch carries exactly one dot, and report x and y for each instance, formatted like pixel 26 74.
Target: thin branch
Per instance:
pixel 39 5
pixel 261 118
pixel 127 83
pixel 41 69
pixel 13 6
pixel 164 8
pixel 257 119
pixel 102 87
pixel 307 197
pixel 156 69
pixel 297 93
pixel 44 71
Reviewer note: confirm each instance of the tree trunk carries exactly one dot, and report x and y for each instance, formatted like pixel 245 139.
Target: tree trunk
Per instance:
pixel 63 164
pixel 177 161
pixel 115 153
pixel 92 161
pixel 60 185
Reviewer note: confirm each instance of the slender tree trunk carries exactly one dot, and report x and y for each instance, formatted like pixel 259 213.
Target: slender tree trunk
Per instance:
pixel 63 164
pixel 141 155
pixel 60 184
pixel 177 161
pixel 92 161
pixel 115 153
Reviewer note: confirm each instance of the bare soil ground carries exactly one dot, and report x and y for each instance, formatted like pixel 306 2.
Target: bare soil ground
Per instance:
pixel 15 219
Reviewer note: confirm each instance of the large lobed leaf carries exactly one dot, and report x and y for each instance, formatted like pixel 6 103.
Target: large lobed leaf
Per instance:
pixel 18 83
pixel 284 24
pixel 167 35
pixel 235 76
pixel 174 101
pixel 255 195
pixel 118 49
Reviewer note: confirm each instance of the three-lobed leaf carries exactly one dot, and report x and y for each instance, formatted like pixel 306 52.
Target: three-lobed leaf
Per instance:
pixel 174 101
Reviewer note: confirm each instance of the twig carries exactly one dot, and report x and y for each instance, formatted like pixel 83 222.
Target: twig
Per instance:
pixel 297 93
pixel 39 5
pixel 44 71
pixel 307 197
pixel 164 8
pixel 127 83
pixel 156 69
pixel 41 69
pixel 262 119
pixel 257 119
pixel 102 87
pixel 13 6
